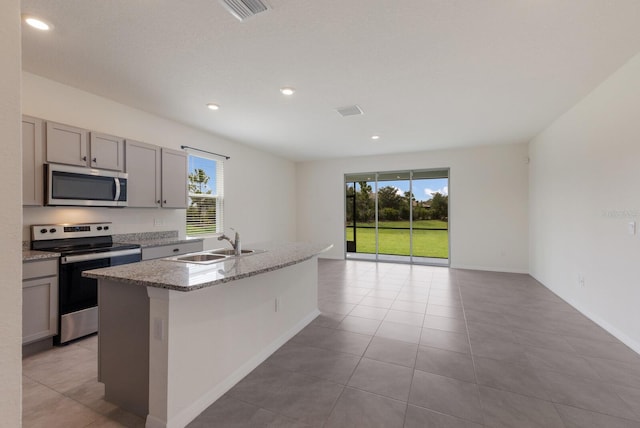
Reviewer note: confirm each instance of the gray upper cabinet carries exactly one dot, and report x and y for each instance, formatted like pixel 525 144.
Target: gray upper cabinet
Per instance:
pixel 143 168
pixel 107 151
pixel 66 144
pixel 72 146
pixel 174 179
pixel 32 160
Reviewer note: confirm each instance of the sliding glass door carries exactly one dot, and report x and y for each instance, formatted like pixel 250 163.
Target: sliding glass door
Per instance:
pixel 394 214
pixel 398 216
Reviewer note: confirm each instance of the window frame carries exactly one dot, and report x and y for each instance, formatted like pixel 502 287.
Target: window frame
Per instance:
pixel 218 196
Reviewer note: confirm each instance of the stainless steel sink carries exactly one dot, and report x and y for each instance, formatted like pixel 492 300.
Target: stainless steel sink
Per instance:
pixel 200 258
pixel 231 252
pixel 210 256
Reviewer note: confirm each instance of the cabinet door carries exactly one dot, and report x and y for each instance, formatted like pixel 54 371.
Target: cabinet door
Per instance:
pixel 66 144
pixel 174 179
pixel 107 151
pixel 143 168
pixel 32 159
pixel 39 308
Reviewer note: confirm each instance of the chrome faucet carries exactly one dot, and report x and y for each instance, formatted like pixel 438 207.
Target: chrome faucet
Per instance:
pixel 235 243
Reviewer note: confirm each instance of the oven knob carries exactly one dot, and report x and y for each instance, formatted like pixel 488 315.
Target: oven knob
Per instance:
pixel 106 228
pixel 52 230
pixel 99 228
pixel 43 230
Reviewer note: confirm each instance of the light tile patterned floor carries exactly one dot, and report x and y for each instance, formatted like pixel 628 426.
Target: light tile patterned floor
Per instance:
pixel 397 345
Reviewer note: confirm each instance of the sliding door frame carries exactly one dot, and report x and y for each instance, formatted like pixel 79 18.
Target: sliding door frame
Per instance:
pixel 410 257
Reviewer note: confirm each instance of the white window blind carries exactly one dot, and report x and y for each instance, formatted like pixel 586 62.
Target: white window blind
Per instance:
pixel 206 195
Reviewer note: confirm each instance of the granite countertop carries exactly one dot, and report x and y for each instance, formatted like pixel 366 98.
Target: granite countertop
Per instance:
pixel 31 255
pixel 157 242
pixel 181 276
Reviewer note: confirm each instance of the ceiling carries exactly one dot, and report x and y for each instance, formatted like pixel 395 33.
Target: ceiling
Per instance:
pixel 428 74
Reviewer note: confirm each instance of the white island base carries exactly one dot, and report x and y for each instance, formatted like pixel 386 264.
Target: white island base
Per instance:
pixel 167 355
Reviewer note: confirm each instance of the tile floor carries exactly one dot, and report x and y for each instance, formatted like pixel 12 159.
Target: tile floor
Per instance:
pixel 395 346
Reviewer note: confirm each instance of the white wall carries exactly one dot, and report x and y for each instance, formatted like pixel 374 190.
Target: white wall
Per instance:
pixel 259 187
pixel 584 190
pixel 487 202
pixel 10 218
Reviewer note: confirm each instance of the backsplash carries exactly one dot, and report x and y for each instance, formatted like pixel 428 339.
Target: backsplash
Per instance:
pixel 124 220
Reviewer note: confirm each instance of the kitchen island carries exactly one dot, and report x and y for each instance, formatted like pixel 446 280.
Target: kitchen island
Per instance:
pixel 174 336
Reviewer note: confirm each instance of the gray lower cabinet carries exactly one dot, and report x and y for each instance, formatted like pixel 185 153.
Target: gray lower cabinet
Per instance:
pixel 32 160
pixel 162 251
pixel 39 300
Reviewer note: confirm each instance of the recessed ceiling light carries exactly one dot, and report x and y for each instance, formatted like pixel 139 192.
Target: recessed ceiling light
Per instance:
pixel 287 91
pixel 212 106
pixel 375 137
pixel 37 23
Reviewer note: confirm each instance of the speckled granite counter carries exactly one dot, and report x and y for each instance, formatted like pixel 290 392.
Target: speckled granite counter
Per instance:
pixel 181 276
pixel 147 243
pixel 153 239
pixel 31 255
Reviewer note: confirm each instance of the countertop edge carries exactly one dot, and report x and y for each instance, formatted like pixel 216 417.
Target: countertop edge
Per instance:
pixel 187 288
pixel 34 255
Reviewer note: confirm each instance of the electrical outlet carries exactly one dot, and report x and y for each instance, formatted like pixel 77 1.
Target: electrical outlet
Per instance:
pixel 157 222
pixel 580 280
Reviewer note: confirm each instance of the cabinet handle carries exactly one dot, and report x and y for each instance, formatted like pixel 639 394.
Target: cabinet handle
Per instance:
pixel 164 202
pixel 84 158
pixel 175 250
pixel 158 201
pixel 94 160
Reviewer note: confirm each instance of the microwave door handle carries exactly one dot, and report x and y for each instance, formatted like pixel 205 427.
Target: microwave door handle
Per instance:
pixel 117 181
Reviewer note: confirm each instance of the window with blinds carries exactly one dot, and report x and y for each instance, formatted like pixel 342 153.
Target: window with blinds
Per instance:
pixel 205 210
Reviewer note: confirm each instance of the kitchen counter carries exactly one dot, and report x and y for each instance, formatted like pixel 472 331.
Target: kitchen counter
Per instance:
pixel 179 276
pixel 166 354
pixel 31 255
pixel 156 242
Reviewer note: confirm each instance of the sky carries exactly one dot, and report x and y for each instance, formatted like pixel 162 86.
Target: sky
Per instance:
pixel 423 190
pixel 209 167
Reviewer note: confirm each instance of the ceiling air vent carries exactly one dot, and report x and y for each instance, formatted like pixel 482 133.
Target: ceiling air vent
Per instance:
pixel 353 110
pixel 244 9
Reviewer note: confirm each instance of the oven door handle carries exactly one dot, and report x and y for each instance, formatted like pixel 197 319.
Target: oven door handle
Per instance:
pixel 97 256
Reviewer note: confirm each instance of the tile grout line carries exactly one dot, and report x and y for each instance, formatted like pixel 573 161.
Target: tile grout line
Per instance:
pixel 473 360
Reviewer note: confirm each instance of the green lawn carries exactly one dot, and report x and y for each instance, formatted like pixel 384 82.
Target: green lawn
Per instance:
pixel 193 230
pixel 432 241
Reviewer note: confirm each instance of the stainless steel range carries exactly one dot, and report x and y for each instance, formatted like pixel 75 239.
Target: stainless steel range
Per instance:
pixel 82 247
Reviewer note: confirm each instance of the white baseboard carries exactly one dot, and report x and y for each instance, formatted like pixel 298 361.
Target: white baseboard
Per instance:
pixel 621 336
pixel 190 413
pixel 615 332
pixel 489 269
pixel 153 422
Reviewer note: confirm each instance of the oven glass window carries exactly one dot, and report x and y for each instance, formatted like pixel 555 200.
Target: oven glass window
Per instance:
pixel 67 185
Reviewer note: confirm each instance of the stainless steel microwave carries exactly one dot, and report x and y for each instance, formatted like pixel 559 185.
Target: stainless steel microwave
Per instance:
pixel 72 185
